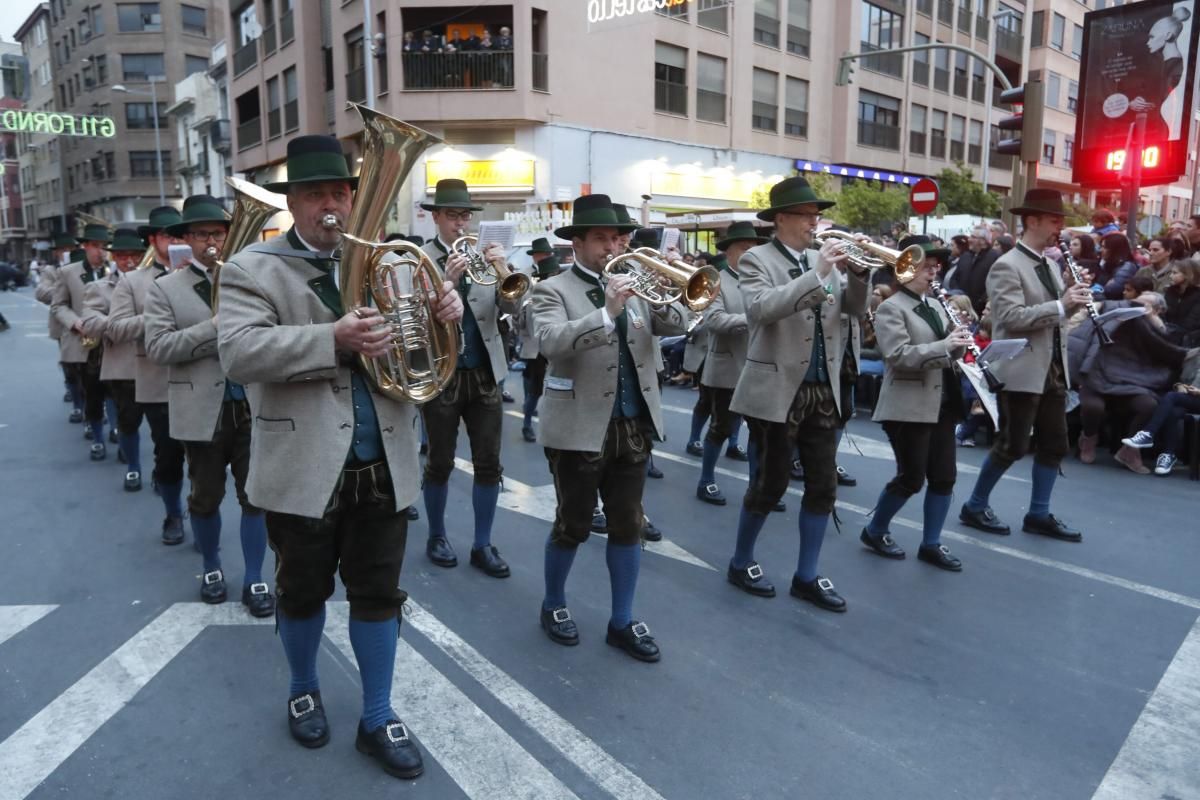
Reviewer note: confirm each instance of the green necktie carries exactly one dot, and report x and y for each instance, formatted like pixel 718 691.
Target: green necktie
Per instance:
pixel 927 313
pixel 1043 273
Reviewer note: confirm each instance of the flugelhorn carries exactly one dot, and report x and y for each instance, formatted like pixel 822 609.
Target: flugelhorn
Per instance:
pixel 513 285
pixel 868 255
pixel 252 207
pixel 660 281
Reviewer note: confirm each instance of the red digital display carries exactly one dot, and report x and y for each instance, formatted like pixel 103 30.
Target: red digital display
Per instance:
pixel 1115 161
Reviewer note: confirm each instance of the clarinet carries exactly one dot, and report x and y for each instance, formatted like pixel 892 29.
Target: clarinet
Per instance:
pixel 1101 334
pixel 994 384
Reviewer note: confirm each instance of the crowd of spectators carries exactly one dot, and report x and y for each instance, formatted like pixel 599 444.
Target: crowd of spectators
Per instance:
pixel 452 60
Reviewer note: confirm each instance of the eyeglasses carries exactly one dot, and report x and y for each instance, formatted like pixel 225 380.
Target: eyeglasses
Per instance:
pixel 208 236
pixel 458 216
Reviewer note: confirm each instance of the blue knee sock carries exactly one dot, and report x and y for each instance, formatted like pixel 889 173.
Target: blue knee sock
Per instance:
pixel 708 464
pixel 374 646
pixel 812 534
pixel 735 432
pixel 171 494
pixel 131 446
pixel 623 562
pixel 989 475
pixel 888 506
pixel 301 639
pixel 937 506
pixel 97 426
pixel 1043 485
pixel 483 500
pixel 699 417
pixel 76 395
pixel 207 528
pixel 435 507
pixel 558 566
pixel 750 525
pixel 254 546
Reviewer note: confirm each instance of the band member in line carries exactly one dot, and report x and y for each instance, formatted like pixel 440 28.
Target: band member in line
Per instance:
pixel 126 324
pixel 335 462
pixel 473 395
pixel 920 402
pixel 546 266
pixel 1028 301
pixel 600 410
pixel 83 362
pixel 64 244
pixel 789 391
pixel 725 321
pixel 208 412
pixel 117 369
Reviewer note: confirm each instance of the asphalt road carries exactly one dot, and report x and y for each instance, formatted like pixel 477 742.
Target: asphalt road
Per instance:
pixel 1043 670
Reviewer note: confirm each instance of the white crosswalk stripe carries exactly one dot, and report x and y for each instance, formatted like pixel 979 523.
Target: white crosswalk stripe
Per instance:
pixel 14 619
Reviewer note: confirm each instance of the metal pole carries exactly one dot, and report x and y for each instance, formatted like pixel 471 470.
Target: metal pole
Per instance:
pixel 368 54
pixel 162 194
pixel 987 106
pixel 916 48
pixel 1131 187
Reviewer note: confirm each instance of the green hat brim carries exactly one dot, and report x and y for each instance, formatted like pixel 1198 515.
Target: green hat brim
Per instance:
pixel 128 245
pixel 465 205
pixel 1031 210
pixel 146 231
pixel 768 214
pixel 571 231
pixel 724 244
pixel 281 187
pixel 178 230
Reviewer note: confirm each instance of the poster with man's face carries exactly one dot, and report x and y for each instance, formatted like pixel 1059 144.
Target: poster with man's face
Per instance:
pixel 1138 61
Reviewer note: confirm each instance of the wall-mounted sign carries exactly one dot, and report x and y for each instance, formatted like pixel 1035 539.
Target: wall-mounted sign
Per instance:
pixel 20 121
pixel 707 187
pixel 515 175
pixel 604 10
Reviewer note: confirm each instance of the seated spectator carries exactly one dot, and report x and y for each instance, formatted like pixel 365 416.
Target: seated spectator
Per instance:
pixel 1166 426
pixel 1137 286
pixel 1183 303
pixel 1104 222
pixel 1162 250
pixel 1116 265
pixel 976 416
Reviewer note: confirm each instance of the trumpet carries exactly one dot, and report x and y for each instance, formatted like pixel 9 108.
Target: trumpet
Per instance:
pixel 660 281
pixel 1101 334
pixel 513 285
pixel 943 297
pixel 868 255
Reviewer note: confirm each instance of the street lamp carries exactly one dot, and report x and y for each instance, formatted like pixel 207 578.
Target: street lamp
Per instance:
pixel 153 95
pixel 1003 13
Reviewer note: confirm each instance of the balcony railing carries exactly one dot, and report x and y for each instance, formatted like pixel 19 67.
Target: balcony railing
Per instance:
pixel 1008 42
pixel 218 134
pixel 541 72
pixel 937 145
pixel 916 143
pixel 287 30
pixel 245 57
pixel 795 123
pixel 920 73
pixel 268 41
pixel 875 134
pixel 450 71
pixel 291 116
pixel 249 133
pixel 889 65
pixel 356 85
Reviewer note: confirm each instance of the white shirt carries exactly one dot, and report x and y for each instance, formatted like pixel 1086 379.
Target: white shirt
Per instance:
pixel 321 253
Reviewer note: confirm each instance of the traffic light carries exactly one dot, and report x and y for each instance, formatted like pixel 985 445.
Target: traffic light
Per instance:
pixel 845 70
pixel 1030 101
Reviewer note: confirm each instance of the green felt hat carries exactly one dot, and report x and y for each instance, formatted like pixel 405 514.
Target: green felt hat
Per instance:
pixel 547 268
pixel 792 192
pixel 743 231
pixel 645 237
pixel 62 240
pixel 931 251
pixel 127 240
pixel 160 218
pixel 1041 201
pixel 622 214
pixel 540 246
pixel 313 159
pixel 94 233
pixel 451 193
pixel 593 211
pixel 197 209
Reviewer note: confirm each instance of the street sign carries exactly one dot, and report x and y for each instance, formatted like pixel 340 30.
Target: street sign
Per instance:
pixel 924 196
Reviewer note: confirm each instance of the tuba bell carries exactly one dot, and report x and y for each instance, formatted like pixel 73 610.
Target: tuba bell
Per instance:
pixel 404 288
pixel 660 281
pixel 252 207
pixel 868 255
pixel 513 285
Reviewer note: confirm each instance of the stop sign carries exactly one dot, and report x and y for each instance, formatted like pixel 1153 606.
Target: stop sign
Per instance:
pixel 924 196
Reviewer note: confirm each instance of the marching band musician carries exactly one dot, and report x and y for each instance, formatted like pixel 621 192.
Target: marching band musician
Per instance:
pixel 473 395
pixel 546 266
pixel 208 412
pixel 789 390
pixel 117 369
pixel 335 462
pixel 126 324
pixel 600 409
pixel 83 362
pixel 919 404
pixel 1028 301
pixel 44 293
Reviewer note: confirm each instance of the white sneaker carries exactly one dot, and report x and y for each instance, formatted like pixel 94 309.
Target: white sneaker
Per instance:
pixel 1141 440
pixel 1164 464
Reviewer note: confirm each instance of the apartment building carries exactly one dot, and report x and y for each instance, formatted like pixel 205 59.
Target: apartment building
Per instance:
pixel 39 158
pixel 14 71
pixel 200 130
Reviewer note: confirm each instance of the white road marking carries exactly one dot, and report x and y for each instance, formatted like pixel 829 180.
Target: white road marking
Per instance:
pixel 481 757
pixel 1158 759
pixel 14 619
pixel 564 737
pixel 540 502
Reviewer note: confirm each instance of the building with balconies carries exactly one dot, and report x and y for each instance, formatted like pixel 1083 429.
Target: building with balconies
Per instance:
pixel 14 78
pixel 38 159
pixel 200 119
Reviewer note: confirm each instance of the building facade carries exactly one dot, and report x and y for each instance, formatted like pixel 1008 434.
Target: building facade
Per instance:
pixel 14 77
pixel 39 158
pixel 200 123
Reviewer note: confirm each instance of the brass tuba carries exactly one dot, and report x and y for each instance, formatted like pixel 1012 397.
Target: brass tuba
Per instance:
pixel 424 352
pixel 697 287
pixel 252 207
pixel 868 255
pixel 513 285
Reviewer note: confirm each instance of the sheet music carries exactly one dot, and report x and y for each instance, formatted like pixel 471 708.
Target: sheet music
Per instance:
pixel 986 398
pixel 670 238
pixel 1004 349
pixel 497 232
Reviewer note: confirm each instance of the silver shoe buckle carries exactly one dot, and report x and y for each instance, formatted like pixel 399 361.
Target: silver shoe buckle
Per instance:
pixel 824 584
pixel 213 577
pixel 754 572
pixel 294 705
pixel 259 588
pixel 394 738
pixel 640 630
pixel 887 539
pixel 945 550
pixel 560 615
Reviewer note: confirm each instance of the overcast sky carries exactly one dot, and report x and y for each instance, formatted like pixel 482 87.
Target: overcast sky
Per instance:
pixel 12 14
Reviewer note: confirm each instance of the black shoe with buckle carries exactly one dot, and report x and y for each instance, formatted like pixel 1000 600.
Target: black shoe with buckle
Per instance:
pixel 559 626
pixel 737 453
pixel 751 580
pixel 820 592
pixel 212 587
pixel 528 435
pixel 985 520
pixel 112 436
pixel 412 513
pixel 489 561
pixel 258 600
pixel 1051 526
pixel 507 398
pixel 133 481
pixel 710 493
pixel 884 545
pixel 172 531
pixel 797 471
pixel 780 507
pixel 306 720
pixel 66 397
pixel 845 478
pixel 939 556
pixel 76 417
pixel 391 744
pixel 634 639
pixel 99 452
pixel 440 552
pixel 599 522
pixel 695 448
pixel 654 472
pixel 651 533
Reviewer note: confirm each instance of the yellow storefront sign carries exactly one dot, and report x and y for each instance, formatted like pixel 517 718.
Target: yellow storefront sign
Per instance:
pixel 514 175
pixel 709 187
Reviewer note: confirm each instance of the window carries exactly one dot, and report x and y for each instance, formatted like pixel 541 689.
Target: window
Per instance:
pixel 1053 89
pixel 144 163
pixel 1068 151
pixel 138 18
pixel 799 34
pixel 960 74
pixel 878 120
pixel 713 14
pixel 765 111
pixel 195 20
pixel 977 80
pixel 920 68
pixel 941 70
pixel 274 112
pixel 1038 33
pixel 975 142
pixel 937 134
pixel 882 30
pixel 141 66
pixel 958 133
pixel 710 88
pixel 795 112
pixel 925 7
pixel 916 130
pixel 140 116
pixel 1048 141
pixel 678 11
pixel 96 13
pixel 193 64
pixel 291 105
pixel 766 22
pixel 964 16
pixel 110 164
pixel 670 79
pixel 1072 96
pixel 101 65
pixel 85 30
pixel 1077 41
pixel 1058 32
pixel 356 74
